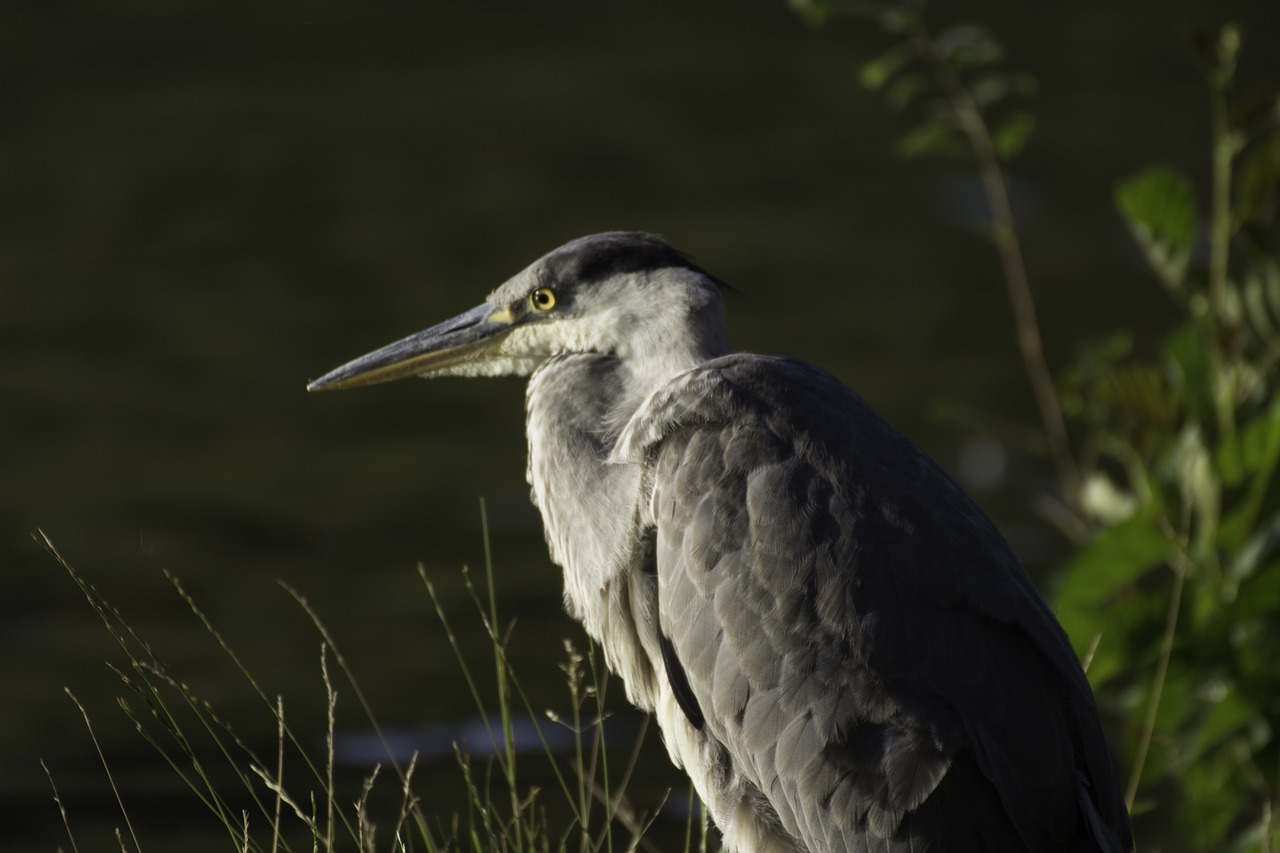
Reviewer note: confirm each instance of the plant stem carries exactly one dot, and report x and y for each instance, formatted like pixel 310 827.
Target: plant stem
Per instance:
pixel 62 809
pixel 1223 153
pixel 500 664
pixel 124 813
pixel 1179 567
pixel 1220 202
pixel 1005 236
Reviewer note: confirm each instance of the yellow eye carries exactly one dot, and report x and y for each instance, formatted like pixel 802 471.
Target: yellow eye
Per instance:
pixel 544 298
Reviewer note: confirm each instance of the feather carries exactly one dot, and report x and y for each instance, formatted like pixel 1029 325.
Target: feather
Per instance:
pixel 861 661
pixel 680 684
pixel 850 621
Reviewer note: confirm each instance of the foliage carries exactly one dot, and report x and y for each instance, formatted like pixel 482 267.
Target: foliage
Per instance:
pixel 1172 490
pixel 1173 595
pixel 1178 591
pixel 952 80
pixel 968 103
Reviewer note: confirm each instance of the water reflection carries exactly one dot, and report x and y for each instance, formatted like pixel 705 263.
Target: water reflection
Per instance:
pixel 480 738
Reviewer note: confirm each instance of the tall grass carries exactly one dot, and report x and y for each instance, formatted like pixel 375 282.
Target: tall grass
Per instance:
pixel 586 808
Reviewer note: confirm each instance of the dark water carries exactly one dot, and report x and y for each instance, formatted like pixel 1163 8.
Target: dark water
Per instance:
pixel 202 205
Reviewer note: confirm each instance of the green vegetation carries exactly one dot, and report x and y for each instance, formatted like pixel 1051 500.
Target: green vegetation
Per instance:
pixel 1176 595
pixel 1170 490
pixel 1166 456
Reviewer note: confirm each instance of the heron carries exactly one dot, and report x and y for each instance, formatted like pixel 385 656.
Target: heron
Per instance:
pixel 840 648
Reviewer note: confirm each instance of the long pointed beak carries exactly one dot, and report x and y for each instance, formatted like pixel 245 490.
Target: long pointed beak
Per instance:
pixel 461 339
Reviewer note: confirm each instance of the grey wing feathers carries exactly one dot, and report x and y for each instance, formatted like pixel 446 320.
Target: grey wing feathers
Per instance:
pixel 680 682
pixel 860 636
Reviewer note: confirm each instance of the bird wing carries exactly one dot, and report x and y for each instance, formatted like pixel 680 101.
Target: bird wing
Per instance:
pixel 859 636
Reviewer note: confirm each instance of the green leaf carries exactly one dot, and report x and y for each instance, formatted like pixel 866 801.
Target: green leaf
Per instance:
pixel 1012 135
pixel 1188 463
pixel 1213 795
pixel 1191 370
pixel 1262 545
pixel 1258 184
pixel 936 135
pixel 1138 390
pixel 1261 297
pixel 989 89
pixel 966 46
pixel 1116 557
pixel 905 89
pixel 1258 596
pixel 1108 661
pixel 1254 449
pixel 897 21
pixel 876 72
pixel 1178 703
pixel 1097 358
pixel 1249 457
pixel 813 13
pixel 1159 206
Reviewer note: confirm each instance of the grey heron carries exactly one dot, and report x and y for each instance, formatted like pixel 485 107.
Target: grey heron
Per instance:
pixel 840 648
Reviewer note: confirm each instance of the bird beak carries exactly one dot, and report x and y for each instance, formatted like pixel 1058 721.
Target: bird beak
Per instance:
pixel 453 342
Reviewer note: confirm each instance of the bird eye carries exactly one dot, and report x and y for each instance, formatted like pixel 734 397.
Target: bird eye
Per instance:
pixel 544 298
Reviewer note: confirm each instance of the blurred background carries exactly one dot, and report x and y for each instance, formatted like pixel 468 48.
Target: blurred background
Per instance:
pixel 205 204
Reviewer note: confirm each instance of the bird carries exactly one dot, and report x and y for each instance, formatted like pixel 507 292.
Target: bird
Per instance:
pixel 841 650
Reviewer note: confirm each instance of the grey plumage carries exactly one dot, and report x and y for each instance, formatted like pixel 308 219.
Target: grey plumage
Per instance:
pixel 840 648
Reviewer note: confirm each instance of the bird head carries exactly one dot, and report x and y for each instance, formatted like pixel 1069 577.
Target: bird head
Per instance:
pixel 624 294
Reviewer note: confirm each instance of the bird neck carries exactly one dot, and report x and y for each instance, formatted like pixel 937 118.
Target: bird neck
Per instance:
pixel 650 361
